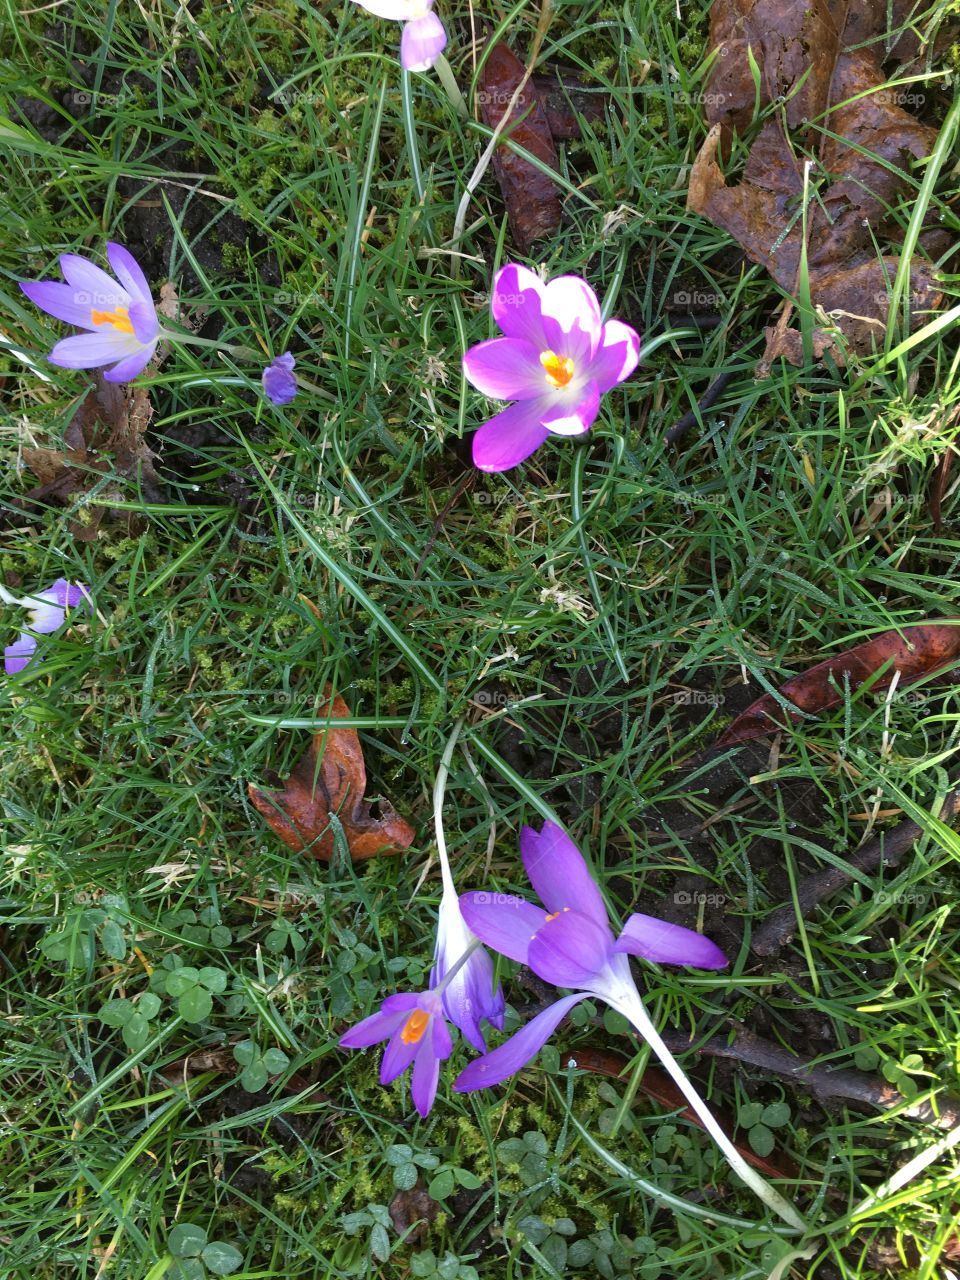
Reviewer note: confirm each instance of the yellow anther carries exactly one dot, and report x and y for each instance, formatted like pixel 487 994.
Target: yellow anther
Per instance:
pixel 117 318
pixel 559 369
pixel 414 1027
pixel 555 914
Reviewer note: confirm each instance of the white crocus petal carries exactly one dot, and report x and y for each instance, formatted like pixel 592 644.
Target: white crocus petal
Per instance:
pixel 396 10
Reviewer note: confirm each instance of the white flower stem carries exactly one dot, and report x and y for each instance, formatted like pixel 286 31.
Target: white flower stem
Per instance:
pixel 439 787
pixel 631 1006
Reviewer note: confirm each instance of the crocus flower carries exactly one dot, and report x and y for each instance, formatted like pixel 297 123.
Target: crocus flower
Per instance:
pixel 556 361
pixel 279 382
pixel 568 943
pixel 468 995
pixel 423 38
pixel 47 610
pixel 119 315
pixel 413 1023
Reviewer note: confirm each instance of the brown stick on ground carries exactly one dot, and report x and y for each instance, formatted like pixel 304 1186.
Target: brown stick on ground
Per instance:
pixel 690 419
pixel 887 849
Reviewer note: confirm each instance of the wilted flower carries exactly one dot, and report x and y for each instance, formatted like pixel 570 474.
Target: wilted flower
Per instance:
pixel 119 315
pixel 48 610
pixel 468 992
pixel 556 361
pixel 279 382
pixel 570 944
pixel 423 38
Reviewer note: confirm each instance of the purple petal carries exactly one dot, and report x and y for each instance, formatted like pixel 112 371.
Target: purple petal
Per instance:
pixel 571 417
pixel 17 655
pixel 89 350
pixel 656 939
pixel 470 997
pixel 59 300
pixel 398 1055
pixel 505 440
pixel 143 317
pixel 617 355
pixel 557 870
pixel 506 369
pixel 402 1000
pixel 422 42
pixel 516 304
pixel 426 1073
pixel 571 318
pixel 502 921
pixel 126 370
pixel 65 594
pixel 379 1026
pixel 97 288
pixel 508 1058
pixel 127 270
pixel 279 382
pixel 570 950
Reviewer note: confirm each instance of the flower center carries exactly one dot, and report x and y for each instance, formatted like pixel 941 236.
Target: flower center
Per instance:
pixel 559 369
pixel 117 318
pixel 414 1027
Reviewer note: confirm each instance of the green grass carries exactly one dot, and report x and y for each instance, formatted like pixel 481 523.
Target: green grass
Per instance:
pixel 793 524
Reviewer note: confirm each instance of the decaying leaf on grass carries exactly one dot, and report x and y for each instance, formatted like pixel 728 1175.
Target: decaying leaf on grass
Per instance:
pixel 330 779
pixel 531 197
pixel 820 59
pixel 106 437
pixel 913 652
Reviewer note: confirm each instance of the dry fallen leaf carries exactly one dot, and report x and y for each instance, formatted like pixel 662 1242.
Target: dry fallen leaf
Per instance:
pixel 106 437
pixel 861 146
pixel 914 651
pixel 331 778
pixel 532 199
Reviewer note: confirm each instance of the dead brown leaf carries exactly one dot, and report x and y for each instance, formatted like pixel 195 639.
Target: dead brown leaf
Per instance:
pixel 106 437
pixel 860 148
pixel 532 198
pixel 330 779
pixel 913 652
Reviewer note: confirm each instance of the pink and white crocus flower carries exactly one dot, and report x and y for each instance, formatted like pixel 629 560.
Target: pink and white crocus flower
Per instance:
pixel 556 360
pixel 47 611
pixel 118 315
pixel 423 38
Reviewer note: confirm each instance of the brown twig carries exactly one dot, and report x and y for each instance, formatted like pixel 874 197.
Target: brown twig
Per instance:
pixel 683 425
pixel 887 849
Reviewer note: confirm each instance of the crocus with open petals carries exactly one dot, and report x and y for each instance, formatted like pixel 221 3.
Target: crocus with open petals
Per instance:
pixel 414 1025
pixel 556 360
pixel 423 38
pixel 118 315
pixel 279 382
pixel 568 943
pixel 47 613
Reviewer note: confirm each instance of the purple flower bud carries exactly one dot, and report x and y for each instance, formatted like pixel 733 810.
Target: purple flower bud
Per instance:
pixel 279 383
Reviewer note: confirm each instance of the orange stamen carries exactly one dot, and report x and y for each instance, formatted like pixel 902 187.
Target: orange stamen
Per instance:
pixel 118 318
pixel 555 914
pixel 559 369
pixel 414 1027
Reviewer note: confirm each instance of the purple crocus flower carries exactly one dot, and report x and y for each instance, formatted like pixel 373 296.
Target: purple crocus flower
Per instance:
pixel 568 943
pixel 48 610
pixel 556 361
pixel 423 39
pixel 279 382
pixel 467 986
pixel 119 315
pixel 413 1023
pixel 461 990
